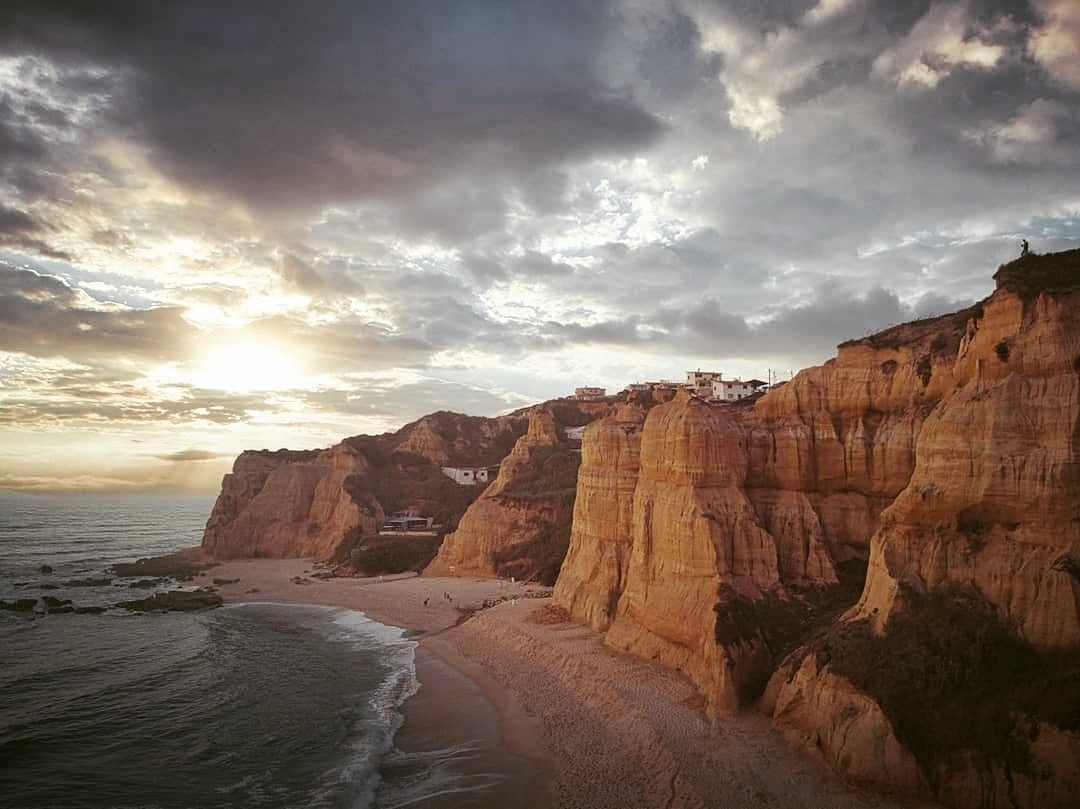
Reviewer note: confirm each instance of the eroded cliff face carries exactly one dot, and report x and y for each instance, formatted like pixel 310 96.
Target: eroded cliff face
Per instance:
pixel 313 503
pixel 280 506
pixel 509 530
pixel 946 452
pixel 994 499
pixel 707 505
pixel 992 508
pixel 593 576
pixel 694 533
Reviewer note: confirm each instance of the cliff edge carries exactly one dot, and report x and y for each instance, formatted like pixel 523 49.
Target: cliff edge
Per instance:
pixel 943 458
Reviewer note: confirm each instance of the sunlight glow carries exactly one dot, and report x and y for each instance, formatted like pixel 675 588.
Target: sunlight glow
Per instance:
pixel 247 366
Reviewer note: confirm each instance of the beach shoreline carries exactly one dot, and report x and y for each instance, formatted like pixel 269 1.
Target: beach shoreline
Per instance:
pixel 457 706
pixel 567 720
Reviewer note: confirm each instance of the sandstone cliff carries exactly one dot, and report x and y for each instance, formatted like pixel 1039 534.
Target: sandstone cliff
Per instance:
pixel 519 526
pixel 313 503
pixel 947 453
pixel 593 576
pixel 278 504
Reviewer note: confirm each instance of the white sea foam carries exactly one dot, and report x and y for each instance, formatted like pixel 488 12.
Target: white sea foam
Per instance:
pixel 372 740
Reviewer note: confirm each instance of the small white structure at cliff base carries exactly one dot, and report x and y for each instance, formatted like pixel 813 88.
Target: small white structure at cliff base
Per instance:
pixel 405 524
pixel 470 475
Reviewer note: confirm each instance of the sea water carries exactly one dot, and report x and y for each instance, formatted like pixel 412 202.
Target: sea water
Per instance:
pixel 254 705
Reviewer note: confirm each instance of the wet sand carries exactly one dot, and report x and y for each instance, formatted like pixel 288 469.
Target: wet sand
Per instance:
pixel 568 721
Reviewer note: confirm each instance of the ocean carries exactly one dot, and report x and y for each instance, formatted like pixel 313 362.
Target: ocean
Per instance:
pixel 254 705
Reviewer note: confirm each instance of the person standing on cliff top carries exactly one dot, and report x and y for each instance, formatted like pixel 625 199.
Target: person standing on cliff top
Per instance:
pixel 1023 247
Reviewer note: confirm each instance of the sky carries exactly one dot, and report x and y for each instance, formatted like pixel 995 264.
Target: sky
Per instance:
pixel 266 223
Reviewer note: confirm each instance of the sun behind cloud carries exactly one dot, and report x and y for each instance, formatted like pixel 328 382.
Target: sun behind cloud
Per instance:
pixel 245 366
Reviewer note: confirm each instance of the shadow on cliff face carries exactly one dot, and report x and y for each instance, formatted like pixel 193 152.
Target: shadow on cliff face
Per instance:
pixel 954 680
pixel 780 623
pixel 550 478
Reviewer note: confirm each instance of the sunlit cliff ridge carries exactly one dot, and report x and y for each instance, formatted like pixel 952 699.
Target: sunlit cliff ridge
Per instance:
pixel 947 453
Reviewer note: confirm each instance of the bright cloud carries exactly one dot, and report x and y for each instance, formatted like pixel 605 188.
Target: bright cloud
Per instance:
pixel 272 237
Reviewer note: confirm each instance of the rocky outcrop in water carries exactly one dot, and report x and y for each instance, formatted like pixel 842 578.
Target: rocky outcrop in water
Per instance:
pixel 182 566
pixel 19 605
pixel 174 601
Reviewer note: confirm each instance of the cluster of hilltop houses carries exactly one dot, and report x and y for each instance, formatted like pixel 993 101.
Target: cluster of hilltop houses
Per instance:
pixel 709 385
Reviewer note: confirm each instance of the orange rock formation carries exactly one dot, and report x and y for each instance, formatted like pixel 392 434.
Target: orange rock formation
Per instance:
pixel 508 532
pixel 289 504
pixel 945 451
pixel 308 504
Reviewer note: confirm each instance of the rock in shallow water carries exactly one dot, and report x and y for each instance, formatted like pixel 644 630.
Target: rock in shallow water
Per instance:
pixel 174 601
pixel 146 584
pixel 19 605
pixel 103 582
pixel 177 566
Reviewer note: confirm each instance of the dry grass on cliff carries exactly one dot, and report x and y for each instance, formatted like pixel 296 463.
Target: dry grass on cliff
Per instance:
pixel 951 677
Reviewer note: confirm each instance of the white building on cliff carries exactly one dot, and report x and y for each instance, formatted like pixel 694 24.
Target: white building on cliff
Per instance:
pixel 701 382
pixel 470 475
pixel 727 390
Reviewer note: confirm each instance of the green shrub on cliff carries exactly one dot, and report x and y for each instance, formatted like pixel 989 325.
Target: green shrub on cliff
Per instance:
pixel 552 472
pixel 551 476
pixel 951 677
pixel 784 623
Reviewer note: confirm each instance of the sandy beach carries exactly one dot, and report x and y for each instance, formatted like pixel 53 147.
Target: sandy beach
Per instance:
pixel 565 720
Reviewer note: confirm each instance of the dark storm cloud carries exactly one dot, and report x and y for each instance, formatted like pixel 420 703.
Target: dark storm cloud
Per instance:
pixel 318 278
pixel 16 221
pixel 42 316
pixel 766 14
pixel 808 331
pixel 20 231
pixel 284 105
